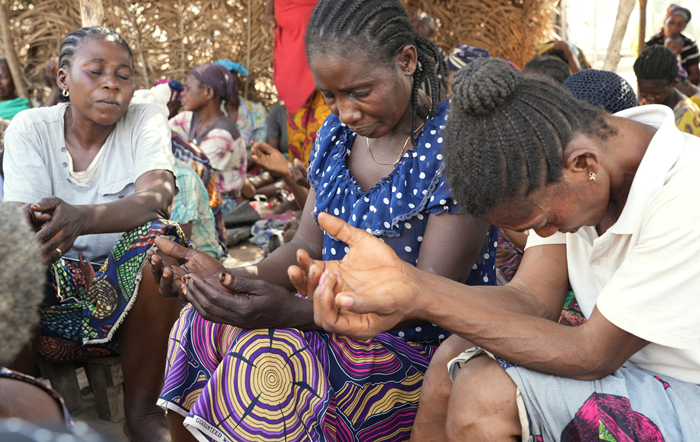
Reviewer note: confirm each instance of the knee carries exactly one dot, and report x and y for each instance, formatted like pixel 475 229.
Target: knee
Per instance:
pixel 483 398
pixel 437 384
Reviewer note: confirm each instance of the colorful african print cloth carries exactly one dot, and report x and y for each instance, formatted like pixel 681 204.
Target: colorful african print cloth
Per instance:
pixel 508 257
pixel 303 125
pixel 289 385
pixel 252 122
pixel 191 154
pixel 85 317
pixel 687 115
pixel 630 405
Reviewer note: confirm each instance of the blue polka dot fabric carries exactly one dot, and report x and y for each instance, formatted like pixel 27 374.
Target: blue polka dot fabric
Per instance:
pixel 395 209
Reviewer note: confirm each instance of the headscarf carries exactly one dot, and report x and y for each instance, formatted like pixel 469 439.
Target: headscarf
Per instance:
pixel 175 88
pixel 236 67
pixel 602 88
pixel 465 54
pixel 219 78
pixel 678 10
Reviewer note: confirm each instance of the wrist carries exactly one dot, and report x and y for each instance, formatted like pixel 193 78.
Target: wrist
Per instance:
pixel 300 314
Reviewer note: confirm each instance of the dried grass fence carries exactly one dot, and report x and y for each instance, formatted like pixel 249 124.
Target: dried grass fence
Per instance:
pixel 510 29
pixel 170 37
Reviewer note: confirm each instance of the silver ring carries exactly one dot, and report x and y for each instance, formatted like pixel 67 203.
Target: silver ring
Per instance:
pixel 60 253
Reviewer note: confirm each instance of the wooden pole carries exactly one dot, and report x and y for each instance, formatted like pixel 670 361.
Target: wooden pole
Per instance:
pixel 183 66
pixel 642 26
pixel 92 13
pixel 137 43
pixel 11 54
pixel 612 57
pixel 247 49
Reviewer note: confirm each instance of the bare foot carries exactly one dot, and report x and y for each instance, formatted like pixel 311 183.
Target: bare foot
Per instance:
pixel 151 427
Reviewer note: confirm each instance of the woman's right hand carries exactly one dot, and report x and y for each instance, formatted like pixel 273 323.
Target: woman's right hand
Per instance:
pixel 169 277
pixel 270 159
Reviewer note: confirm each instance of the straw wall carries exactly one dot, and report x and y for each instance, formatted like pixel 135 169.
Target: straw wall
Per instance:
pixel 170 37
pixel 510 29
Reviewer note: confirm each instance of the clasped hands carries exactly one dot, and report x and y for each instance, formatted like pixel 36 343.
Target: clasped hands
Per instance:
pixel 369 292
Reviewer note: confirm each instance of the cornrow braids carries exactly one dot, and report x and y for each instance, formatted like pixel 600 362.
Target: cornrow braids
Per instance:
pixel 507 133
pixel 656 63
pixel 383 25
pixel 549 66
pixel 70 44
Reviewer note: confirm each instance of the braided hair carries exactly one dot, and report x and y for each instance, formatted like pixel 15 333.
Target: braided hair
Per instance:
pixel 549 66
pixel 507 133
pixel 656 63
pixel 70 44
pixel 381 27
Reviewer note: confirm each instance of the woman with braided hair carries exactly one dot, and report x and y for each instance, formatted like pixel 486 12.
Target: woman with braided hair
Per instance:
pixel 612 205
pixel 657 76
pixel 246 360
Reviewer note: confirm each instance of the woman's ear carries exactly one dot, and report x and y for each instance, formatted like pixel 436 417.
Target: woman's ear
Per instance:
pixel 408 60
pixel 62 79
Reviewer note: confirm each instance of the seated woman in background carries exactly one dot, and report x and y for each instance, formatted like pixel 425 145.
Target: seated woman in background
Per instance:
pixel 84 172
pixel 565 51
pixel 204 124
pixel 378 164
pixel 677 19
pixel 10 103
pixel 250 117
pixel 675 44
pixel 657 76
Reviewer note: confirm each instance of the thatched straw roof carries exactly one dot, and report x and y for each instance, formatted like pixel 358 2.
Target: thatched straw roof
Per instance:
pixel 170 37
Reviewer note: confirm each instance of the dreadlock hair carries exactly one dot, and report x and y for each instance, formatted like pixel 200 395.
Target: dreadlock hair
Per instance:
pixel 507 133
pixel 656 63
pixel 548 66
pixel 70 45
pixel 380 27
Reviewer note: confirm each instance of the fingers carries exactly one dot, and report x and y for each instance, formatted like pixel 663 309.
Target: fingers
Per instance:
pixel 207 300
pixel 173 249
pixel 298 165
pixel 47 204
pixel 341 230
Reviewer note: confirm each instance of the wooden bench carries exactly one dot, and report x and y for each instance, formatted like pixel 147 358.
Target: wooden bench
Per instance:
pixel 104 376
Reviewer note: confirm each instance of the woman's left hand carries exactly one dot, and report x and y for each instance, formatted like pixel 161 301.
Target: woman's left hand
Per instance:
pixel 246 303
pixel 58 234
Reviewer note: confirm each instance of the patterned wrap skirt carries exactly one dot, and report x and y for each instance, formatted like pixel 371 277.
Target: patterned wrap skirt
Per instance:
pixel 82 321
pixel 630 405
pixel 234 384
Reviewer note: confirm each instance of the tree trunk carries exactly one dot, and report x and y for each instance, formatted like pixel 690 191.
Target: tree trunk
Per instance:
pixel 11 54
pixel 612 57
pixel 642 26
pixel 92 13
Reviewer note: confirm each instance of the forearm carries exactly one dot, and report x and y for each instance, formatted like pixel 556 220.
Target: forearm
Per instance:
pixel 273 269
pixel 126 213
pixel 300 193
pixel 270 8
pixel 529 341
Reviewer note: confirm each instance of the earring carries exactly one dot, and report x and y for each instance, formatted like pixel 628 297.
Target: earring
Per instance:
pixel 65 93
pixel 591 176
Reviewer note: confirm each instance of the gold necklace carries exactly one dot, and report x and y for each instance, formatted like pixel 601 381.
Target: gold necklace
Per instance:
pixel 404 144
pixel 400 154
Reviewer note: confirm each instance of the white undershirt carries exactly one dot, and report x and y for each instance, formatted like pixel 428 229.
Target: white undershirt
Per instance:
pixel 85 177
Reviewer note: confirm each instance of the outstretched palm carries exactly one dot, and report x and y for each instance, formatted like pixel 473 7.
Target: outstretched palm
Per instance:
pixel 371 275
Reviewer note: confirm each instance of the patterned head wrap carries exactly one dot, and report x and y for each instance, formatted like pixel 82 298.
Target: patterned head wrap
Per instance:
pixel 175 88
pixel 236 67
pixel 602 88
pixel 465 54
pixel 219 78
pixel 678 10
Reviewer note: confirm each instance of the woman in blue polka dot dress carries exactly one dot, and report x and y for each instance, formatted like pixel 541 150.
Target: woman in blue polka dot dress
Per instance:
pixel 262 370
